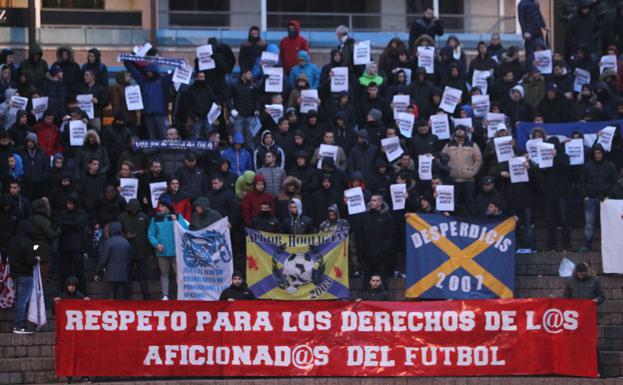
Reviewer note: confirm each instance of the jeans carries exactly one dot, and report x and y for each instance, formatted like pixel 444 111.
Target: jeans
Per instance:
pixel 558 206
pixel 23 290
pixel 157 126
pixel 465 193
pixel 201 129
pixel 242 124
pixel 165 264
pixel 525 223
pixel 591 207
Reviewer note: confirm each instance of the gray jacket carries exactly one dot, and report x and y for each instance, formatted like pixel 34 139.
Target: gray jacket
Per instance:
pixel 115 256
pixel 587 289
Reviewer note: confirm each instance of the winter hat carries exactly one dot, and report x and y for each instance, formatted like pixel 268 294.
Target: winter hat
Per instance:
pixel 341 29
pixel 488 180
pixel 166 200
pixel 55 69
pixel 376 114
pixel 32 137
pixel 363 134
pixel 518 88
pixel 238 138
pixel 581 268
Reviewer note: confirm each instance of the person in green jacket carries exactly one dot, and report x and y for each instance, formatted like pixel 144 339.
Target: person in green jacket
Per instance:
pixel 244 184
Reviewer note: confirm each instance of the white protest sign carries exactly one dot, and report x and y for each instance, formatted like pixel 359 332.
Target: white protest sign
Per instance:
pixel 392 148
pixel 544 61
pixel 354 201
pixel 405 124
pixel 18 103
pixel 339 79
pixel 465 122
pixel 425 167
pixel 309 101
pixel 607 62
pixel 449 100
pixel 517 170
pixel 155 190
pixel 268 59
pixel 426 59
pixel 504 148
pixel 440 126
pixel 39 105
pixel 546 155
pixel 85 103
pixel 493 119
pixel 182 74
pixel 445 198
pixel 214 113
pixel 362 52
pixel 481 105
pixel 399 194
pixel 275 111
pixel 133 98
pixel 326 151
pixel 605 138
pixel 575 149
pixel 480 80
pixel 532 146
pixel 400 103
pixel 407 72
pixel 77 131
pixel 581 77
pixel 204 57
pixel 141 51
pixel 274 80
pixel 129 188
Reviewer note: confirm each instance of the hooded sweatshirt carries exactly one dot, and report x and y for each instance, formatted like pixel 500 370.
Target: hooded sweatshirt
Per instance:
pixel 100 69
pixel 290 46
pixel 299 224
pixel 38 68
pixel 250 50
pixel 309 69
pixel 72 75
pixel 154 90
pixel 208 217
pixel 253 201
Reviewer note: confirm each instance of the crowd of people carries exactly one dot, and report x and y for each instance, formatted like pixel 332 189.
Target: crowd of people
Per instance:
pixel 267 172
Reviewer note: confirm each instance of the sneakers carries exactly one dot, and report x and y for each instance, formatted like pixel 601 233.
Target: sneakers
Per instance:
pixel 584 249
pixel 87 380
pixel 22 331
pixel 165 297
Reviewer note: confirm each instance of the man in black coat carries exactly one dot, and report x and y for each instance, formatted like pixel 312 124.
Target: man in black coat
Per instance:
pixel 193 182
pixel 375 291
pixel 377 237
pixel 428 24
pixel 238 289
pixel 115 261
pixel 251 49
pixel 22 259
pixel 223 200
pixel 532 25
pixel 73 223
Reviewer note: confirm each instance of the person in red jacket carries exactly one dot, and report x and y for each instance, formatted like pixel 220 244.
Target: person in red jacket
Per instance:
pixel 48 134
pixel 291 45
pixel 252 202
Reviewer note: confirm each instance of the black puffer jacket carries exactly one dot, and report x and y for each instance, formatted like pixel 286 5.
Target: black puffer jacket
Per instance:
pixel 599 178
pixel 73 225
pixel 202 96
pixel 21 251
pixel 243 97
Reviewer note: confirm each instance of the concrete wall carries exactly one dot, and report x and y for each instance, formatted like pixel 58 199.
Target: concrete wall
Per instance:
pixel 396 20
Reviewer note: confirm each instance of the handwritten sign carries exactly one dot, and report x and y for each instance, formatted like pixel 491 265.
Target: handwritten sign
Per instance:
pixel 133 98
pixel 450 98
pixel 339 79
pixel 362 52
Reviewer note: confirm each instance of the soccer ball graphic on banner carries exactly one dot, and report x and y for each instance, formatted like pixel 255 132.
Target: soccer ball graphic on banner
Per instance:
pixel 298 270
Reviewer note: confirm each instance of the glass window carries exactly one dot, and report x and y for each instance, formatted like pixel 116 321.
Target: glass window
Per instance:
pixel 73 4
pixel 199 13
pixel 361 15
pixel 451 13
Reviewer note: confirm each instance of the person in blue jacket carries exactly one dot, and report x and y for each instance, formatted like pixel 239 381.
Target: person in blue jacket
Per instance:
pixel 305 67
pixel 161 234
pixel 239 157
pixel 154 90
pixel 258 71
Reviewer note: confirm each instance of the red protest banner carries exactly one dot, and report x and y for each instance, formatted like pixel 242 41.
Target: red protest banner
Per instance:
pixel 326 338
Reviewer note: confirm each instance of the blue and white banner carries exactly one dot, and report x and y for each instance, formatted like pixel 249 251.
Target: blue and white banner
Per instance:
pixel 204 261
pixel 449 258
pixel 588 129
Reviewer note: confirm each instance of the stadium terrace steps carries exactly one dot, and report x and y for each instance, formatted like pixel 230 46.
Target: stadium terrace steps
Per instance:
pixel 27 359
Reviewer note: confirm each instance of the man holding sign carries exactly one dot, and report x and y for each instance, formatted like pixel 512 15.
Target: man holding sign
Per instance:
pixel 465 160
pixel 99 98
pixel 154 88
